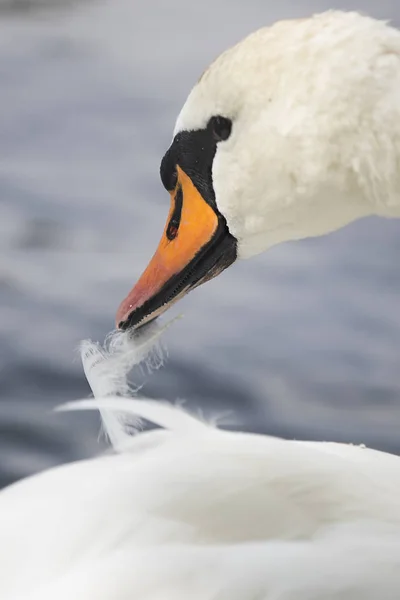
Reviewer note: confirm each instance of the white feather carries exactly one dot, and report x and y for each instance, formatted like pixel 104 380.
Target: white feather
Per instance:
pixel 156 411
pixel 107 367
pixel 190 511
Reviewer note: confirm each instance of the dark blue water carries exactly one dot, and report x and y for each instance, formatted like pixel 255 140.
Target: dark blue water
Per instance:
pixel 303 341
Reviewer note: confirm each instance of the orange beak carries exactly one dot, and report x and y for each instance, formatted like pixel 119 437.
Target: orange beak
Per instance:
pixel 183 259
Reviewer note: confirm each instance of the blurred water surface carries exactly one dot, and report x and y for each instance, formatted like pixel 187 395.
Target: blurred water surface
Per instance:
pixel 303 341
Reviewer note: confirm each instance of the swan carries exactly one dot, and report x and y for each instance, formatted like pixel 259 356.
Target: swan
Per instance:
pixel 293 132
pixel 191 511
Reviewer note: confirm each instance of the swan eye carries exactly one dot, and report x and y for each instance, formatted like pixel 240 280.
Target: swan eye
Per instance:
pixel 221 128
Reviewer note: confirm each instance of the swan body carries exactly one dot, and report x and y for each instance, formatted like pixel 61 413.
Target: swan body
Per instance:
pixel 189 510
pixel 293 132
pixel 192 511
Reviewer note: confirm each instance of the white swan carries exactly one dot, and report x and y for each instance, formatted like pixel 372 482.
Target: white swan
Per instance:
pixel 293 132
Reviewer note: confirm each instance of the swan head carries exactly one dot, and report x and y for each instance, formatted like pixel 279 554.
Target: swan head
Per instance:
pixel 268 147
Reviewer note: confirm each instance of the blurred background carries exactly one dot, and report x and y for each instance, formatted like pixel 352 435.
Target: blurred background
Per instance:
pixel 302 342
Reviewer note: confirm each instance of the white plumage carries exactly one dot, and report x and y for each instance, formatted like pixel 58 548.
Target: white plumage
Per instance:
pixel 315 140
pixel 188 511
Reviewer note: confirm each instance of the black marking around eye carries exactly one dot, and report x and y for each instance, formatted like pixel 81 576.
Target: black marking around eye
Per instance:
pixel 168 173
pixel 194 152
pixel 174 222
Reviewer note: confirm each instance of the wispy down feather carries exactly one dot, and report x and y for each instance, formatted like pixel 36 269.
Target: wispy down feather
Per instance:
pixel 107 368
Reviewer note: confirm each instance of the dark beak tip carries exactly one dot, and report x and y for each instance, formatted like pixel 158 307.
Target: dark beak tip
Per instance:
pixel 213 258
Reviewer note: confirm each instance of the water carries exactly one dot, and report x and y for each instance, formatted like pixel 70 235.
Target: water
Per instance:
pixel 303 341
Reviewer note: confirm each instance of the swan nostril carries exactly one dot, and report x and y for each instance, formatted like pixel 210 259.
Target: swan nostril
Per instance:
pixel 172 232
pixel 174 222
